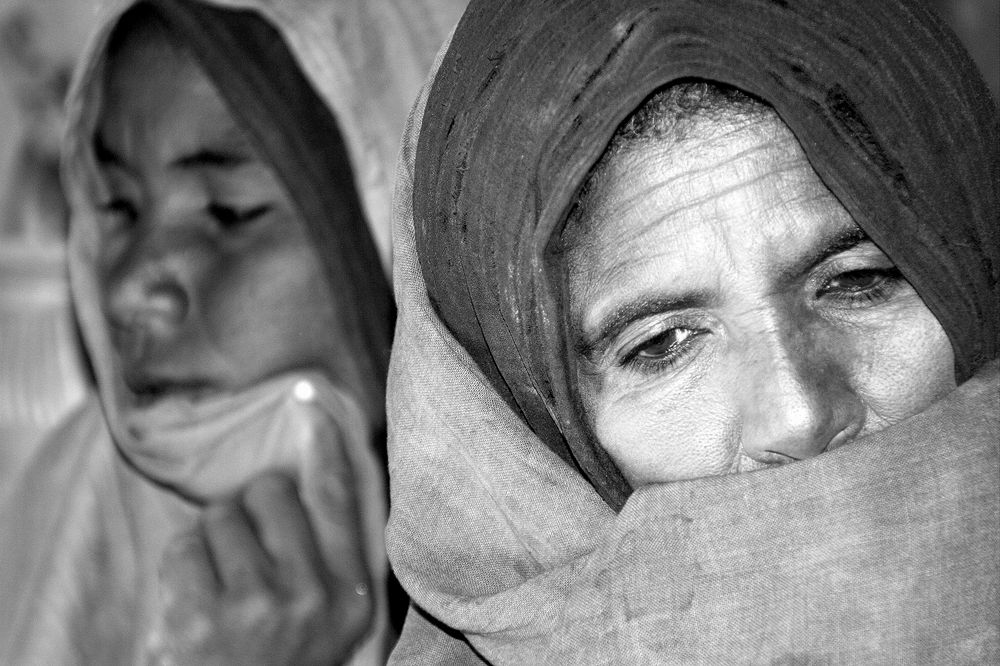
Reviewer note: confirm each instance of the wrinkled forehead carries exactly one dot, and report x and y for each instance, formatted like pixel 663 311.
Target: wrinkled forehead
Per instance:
pixel 669 133
pixel 745 179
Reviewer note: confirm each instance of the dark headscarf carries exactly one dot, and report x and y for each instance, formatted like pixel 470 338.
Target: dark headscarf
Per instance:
pixel 889 109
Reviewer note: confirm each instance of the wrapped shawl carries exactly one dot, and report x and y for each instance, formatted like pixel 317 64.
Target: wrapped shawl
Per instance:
pixel 322 88
pixel 504 528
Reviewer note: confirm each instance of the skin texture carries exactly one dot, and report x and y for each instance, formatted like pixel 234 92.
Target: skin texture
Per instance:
pixel 729 315
pixel 209 283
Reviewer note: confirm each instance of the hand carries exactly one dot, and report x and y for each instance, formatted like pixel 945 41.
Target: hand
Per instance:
pixel 250 586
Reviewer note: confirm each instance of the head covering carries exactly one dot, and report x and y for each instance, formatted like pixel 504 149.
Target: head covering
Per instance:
pixel 503 527
pixel 322 89
pixel 42 374
pixel 890 111
pixel 283 77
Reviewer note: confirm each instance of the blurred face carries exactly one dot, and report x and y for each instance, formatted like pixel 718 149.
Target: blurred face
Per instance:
pixel 729 315
pixel 208 280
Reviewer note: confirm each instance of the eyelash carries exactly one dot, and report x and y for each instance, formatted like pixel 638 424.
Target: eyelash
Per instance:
pixel 675 352
pixel 120 210
pixel 231 218
pixel 227 216
pixel 888 282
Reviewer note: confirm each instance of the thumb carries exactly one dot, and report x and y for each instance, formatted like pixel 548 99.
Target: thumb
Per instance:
pixel 331 492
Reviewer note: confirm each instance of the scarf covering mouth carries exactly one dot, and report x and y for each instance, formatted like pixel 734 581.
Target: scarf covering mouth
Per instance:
pixel 885 551
pixel 890 110
pixel 207 450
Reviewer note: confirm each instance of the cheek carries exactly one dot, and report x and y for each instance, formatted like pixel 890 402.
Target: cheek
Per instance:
pixel 269 307
pixel 658 439
pixel 904 365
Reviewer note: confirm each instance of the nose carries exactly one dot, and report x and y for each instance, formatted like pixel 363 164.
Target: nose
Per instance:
pixel 147 288
pixel 800 402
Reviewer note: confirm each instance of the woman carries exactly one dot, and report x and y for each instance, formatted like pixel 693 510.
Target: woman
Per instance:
pixel 228 170
pixel 657 243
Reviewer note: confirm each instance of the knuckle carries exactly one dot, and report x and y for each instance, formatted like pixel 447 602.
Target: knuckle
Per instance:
pixel 181 547
pixel 253 608
pixel 218 522
pixel 246 578
pixel 181 557
pixel 172 596
pixel 264 489
pixel 308 603
pixel 190 626
pixel 220 512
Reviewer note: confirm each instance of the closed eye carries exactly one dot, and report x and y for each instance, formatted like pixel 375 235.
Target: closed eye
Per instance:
pixel 230 218
pixel 121 210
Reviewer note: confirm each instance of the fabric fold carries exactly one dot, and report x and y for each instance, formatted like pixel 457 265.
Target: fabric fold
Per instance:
pixel 507 147
pixel 515 541
pixel 96 507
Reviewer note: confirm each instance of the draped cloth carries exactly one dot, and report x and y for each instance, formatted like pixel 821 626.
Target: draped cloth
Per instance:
pixel 889 109
pixel 322 89
pixel 42 377
pixel 516 537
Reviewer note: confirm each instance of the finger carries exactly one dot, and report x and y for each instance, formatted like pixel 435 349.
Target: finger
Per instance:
pixel 273 503
pixel 335 497
pixel 186 569
pixel 339 582
pixel 188 587
pixel 240 561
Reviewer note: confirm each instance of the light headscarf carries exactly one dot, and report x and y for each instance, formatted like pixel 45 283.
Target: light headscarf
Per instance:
pixel 93 512
pixel 310 83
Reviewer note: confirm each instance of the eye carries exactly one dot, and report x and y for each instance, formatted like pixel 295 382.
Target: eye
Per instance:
pixel 229 217
pixel 120 212
pixel 664 344
pixel 856 281
pixel 862 287
pixel 662 350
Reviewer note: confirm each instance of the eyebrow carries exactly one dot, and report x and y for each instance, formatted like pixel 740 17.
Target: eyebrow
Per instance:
pixel 611 326
pixel 839 241
pixel 623 316
pixel 210 158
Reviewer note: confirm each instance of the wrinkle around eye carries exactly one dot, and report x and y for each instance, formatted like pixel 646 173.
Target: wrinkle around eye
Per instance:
pixel 647 312
pixel 885 285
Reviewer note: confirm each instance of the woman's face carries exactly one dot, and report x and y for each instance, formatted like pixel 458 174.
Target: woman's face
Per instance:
pixel 729 315
pixel 208 279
